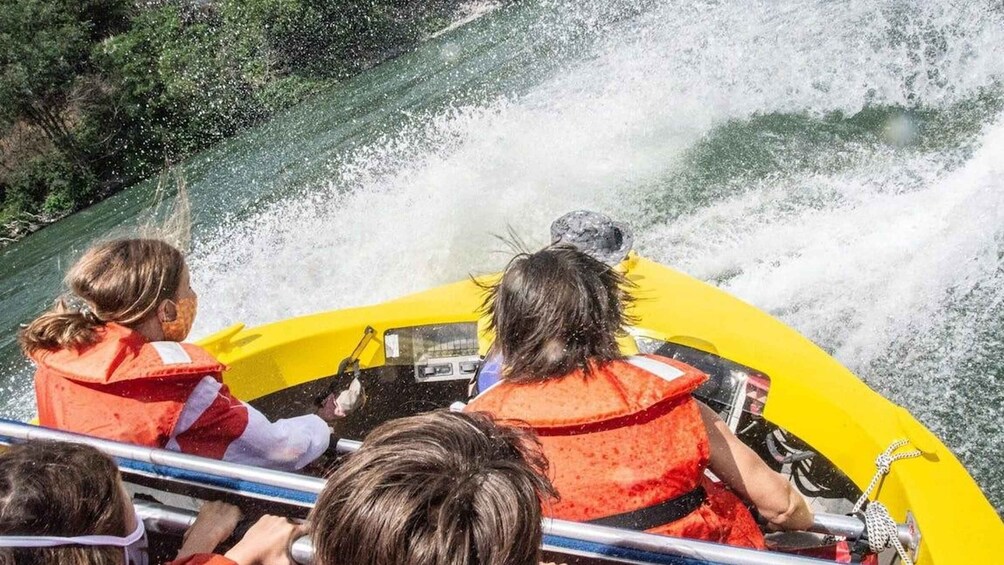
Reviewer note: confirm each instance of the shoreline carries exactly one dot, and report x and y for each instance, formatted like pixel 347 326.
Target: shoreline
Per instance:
pixel 24 223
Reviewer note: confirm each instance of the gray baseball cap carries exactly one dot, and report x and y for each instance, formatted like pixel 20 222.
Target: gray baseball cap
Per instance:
pixel 595 234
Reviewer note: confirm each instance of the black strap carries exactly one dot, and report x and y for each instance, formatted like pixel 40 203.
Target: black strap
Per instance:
pixel 656 515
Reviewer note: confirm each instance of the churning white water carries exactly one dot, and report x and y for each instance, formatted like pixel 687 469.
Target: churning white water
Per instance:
pixel 611 126
pixel 725 133
pixel 838 164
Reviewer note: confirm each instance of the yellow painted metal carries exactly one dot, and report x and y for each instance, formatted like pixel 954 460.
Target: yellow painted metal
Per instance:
pixel 811 394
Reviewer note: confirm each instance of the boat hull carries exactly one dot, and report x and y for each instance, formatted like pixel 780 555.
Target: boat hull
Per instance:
pixel 811 396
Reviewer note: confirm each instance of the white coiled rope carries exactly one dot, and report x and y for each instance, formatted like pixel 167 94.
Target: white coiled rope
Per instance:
pixel 882 530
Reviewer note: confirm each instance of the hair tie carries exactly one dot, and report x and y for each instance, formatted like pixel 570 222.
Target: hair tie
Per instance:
pixel 82 307
pixel 88 313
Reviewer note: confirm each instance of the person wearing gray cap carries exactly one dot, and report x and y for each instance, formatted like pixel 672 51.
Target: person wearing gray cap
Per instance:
pixel 592 233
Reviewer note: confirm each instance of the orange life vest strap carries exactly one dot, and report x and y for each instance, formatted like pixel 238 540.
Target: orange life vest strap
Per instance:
pixel 665 512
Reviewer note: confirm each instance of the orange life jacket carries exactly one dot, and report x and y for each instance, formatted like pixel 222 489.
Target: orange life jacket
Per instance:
pixel 625 443
pixel 121 387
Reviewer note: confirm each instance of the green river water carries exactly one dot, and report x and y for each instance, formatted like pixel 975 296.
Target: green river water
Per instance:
pixel 838 164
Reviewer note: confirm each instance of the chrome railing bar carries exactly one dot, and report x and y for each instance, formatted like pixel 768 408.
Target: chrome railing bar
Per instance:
pixel 168 520
pixel 834 524
pixel 154 456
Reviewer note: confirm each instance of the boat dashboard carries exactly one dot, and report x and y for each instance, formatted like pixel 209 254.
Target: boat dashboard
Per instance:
pixel 430 367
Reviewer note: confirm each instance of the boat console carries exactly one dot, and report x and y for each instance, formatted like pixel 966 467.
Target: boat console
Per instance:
pixel 441 352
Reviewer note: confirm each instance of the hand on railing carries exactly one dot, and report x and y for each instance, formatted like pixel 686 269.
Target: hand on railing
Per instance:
pixel 215 522
pixel 267 541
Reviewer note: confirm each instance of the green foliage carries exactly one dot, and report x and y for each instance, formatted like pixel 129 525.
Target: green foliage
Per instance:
pixel 121 90
pixel 48 178
pixel 43 46
pixel 105 17
pixel 332 38
pixel 178 88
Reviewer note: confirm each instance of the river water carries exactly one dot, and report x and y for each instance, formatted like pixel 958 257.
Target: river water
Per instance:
pixel 838 164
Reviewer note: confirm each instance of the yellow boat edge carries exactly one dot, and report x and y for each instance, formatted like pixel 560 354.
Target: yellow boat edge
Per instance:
pixel 811 394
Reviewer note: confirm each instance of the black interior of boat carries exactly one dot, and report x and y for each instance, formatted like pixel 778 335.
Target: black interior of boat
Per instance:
pixel 397 390
pixel 391 392
pixel 728 382
pixel 736 392
pixel 432 368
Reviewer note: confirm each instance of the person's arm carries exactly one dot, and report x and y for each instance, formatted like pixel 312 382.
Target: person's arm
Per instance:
pixel 215 522
pixel 213 423
pixel 266 542
pixel 741 469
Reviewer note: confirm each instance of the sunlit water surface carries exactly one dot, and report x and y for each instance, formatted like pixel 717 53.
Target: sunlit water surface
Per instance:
pixel 838 164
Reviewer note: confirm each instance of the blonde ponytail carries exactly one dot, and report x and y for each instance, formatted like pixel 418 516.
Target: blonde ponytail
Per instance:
pixel 60 328
pixel 120 281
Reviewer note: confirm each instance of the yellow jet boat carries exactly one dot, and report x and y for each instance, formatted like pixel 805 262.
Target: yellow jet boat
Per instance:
pixel 874 475
pixel 793 403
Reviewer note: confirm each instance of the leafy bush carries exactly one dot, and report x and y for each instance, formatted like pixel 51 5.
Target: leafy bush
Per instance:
pixel 121 90
pixel 49 177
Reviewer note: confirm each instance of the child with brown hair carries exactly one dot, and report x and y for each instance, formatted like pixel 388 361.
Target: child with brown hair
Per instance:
pixel 65 504
pixel 442 488
pixel 110 364
pixel 35 478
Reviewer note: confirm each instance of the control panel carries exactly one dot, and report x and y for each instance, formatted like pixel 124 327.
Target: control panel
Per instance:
pixel 440 352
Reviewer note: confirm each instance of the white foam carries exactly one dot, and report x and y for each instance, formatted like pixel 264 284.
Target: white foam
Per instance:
pixel 420 206
pixel 865 269
pixel 868 255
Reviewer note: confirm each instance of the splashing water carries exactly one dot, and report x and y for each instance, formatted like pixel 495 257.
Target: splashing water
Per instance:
pixel 865 237
pixel 836 164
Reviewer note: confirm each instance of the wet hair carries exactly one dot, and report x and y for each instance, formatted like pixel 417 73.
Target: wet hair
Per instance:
pixel 442 488
pixel 555 311
pixel 60 489
pixel 120 281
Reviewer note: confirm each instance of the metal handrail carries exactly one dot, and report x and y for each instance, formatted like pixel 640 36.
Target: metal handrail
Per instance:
pixel 155 456
pixel 169 520
pixel 845 526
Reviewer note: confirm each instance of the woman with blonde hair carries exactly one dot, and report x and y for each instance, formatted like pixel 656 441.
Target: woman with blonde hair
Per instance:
pixel 110 363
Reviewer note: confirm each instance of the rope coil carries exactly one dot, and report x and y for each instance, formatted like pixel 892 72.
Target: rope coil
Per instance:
pixel 881 529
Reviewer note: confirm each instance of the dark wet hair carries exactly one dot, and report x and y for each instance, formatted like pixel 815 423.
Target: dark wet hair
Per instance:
pixel 60 489
pixel 443 488
pixel 555 311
